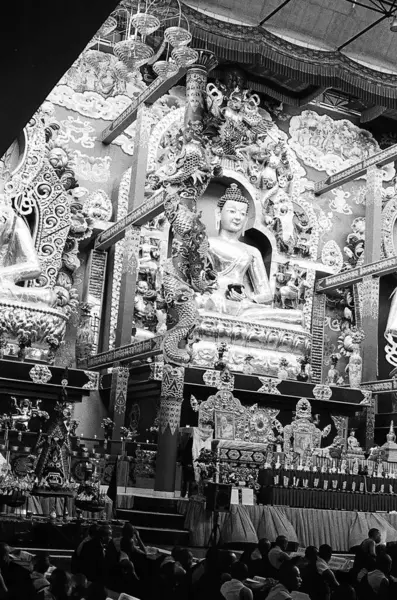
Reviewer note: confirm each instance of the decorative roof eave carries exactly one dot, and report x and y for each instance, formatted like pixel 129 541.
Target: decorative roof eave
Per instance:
pixel 254 45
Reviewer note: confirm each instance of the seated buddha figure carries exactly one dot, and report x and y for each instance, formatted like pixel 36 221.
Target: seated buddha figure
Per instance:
pixel 19 261
pixel 243 289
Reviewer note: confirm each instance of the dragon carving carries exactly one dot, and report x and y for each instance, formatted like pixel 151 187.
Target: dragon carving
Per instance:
pixel 188 271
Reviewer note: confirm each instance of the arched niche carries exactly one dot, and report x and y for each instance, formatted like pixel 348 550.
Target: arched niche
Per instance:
pixel 256 233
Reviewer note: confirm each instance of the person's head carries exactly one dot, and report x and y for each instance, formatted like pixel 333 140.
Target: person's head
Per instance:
pixel 93 531
pixel 79 584
pixel 42 562
pixel 184 557
pixel 264 546
pixel 96 591
pixel 4 554
pixel 239 570
pixel 60 584
pixel 374 534
pixel 325 552
pixel 384 563
pixel 282 542
pixel 344 592
pixel 128 531
pixel 127 568
pixel 311 553
pixel 225 560
pixel 289 576
pixel 105 534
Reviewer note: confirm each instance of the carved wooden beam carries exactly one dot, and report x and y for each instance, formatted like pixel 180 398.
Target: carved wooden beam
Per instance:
pixel 134 351
pixel 379 160
pixel 137 217
pixel 347 278
pixel 382 386
pixel 153 92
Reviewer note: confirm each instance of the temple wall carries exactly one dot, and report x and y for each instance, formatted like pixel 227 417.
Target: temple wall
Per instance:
pixel 94 92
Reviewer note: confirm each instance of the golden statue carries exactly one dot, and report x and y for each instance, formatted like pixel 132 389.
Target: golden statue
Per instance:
pixel 19 261
pixel 243 285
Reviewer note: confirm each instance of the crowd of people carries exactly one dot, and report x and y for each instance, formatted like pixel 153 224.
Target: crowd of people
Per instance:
pixel 104 568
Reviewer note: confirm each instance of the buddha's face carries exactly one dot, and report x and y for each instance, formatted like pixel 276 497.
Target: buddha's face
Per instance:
pixel 233 216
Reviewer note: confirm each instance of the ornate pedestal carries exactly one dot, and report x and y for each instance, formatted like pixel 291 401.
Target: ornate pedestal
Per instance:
pixel 265 343
pixel 40 325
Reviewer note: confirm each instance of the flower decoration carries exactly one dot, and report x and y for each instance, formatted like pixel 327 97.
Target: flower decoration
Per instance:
pixel 107 426
pixel 283 363
pixel 128 433
pixel 207 463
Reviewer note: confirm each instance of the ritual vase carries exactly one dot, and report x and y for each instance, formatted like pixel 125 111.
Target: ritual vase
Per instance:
pixel 355 367
pixel 282 373
pixel 302 375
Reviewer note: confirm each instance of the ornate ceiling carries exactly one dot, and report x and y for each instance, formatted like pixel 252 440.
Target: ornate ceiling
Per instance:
pixel 304 46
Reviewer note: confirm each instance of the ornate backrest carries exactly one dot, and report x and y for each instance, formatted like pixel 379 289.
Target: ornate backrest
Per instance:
pixel 233 421
pixel 53 223
pixel 36 188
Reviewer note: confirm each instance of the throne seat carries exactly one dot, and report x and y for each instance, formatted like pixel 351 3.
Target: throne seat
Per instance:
pixel 266 343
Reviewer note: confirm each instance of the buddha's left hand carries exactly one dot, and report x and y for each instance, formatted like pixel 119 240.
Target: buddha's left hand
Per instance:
pixel 237 296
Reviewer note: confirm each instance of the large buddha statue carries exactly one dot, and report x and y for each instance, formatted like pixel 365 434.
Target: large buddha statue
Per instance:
pixel 19 261
pixel 243 285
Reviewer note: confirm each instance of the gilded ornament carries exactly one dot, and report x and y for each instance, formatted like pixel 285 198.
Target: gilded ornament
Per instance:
pixel 93 380
pixel 269 385
pixel 40 374
pixel 322 392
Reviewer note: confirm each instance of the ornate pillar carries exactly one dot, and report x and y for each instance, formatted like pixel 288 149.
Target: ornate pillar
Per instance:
pixel 129 269
pixel 318 321
pixel 93 291
pixel 369 297
pixel 196 82
pixel 118 397
pixel 370 421
pixel 170 414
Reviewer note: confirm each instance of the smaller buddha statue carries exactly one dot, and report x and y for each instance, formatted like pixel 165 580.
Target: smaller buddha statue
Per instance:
pixel 389 449
pixel 353 446
pixel 149 256
pixel 243 285
pixel 19 261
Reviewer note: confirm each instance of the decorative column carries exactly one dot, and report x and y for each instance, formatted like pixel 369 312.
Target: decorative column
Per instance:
pixel 118 398
pixel 317 358
pixel 173 376
pixel 196 82
pixel 93 291
pixel 369 296
pixel 129 271
pixel 170 414
pixel 370 420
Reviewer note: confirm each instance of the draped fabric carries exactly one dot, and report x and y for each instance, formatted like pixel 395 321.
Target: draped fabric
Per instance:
pixel 44 506
pixel 341 529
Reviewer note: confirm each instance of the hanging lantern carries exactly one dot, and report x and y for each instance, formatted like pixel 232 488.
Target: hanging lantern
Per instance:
pixel 107 28
pixel 165 69
pixel 184 56
pixel 145 23
pixel 177 36
pixel 133 53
